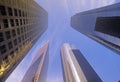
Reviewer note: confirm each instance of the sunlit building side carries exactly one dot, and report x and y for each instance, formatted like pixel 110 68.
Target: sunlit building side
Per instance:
pixel 102 25
pixel 37 71
pixel 75 67
pixel 22 22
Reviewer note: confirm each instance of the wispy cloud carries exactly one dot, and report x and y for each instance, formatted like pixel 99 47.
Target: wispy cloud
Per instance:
pixel 76 6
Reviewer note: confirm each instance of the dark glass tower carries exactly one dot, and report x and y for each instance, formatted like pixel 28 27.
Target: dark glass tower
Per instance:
pixel 22 22
pixel 102 25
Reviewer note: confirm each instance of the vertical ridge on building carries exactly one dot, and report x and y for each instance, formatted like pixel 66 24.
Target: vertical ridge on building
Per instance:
pixel 37 71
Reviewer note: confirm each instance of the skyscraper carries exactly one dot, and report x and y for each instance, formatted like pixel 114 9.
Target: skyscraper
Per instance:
pixel 102 25
pixel 37 71
pixel 75 67
pixel 22 22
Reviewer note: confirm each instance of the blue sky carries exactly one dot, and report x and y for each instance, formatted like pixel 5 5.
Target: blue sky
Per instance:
pixel 104 61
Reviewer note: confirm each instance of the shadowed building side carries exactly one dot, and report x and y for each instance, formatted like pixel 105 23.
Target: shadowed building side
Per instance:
pixel 37 71
pixel 75 66
pixel 22 22
pixel 101 25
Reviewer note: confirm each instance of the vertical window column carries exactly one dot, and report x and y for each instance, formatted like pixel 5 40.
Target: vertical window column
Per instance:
pixel 1 37
pixel 5 23
pixel 2 10
pixel 3 49
pixel 10 13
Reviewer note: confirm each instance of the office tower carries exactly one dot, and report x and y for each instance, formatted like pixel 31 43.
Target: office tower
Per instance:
pixel 102 25
pixel 22 22
pixel 75 67
pixel 37 71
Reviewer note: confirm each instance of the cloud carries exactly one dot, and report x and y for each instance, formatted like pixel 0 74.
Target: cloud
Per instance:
pixel 70 7
pixel 76 6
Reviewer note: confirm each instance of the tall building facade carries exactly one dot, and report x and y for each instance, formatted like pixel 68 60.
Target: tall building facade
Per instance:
pixel 22 22
pixel 102 25
pixel 75 67
pixel 37 71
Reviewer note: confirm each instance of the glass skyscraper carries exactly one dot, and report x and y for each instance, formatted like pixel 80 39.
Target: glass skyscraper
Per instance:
pixel 75 67
pixel 102 25
pixel 37 71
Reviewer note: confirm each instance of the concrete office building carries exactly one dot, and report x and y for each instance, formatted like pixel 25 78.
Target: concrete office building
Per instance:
pixel 75 66
pixel 37 71
pixel 102 25
pixel 22 22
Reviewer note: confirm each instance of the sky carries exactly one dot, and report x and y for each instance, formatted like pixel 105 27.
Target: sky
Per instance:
pixel 104 61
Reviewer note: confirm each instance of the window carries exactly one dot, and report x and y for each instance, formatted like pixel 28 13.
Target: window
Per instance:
pixel 13 33
pixel 2 10
pixel 22 37
pixel 16 49
pixel 7 34
pixel 21 30
pixel 18 31
pixel 27 21
pixel 24 21
pixel 19 39
pixel 20 13
pixel 3 49
pixel 24 29
pixel 15 12
pixel 10 11
pixel 1 37
pixel 5 23
pixel 108 25
pixel 17 23
pixel 20 21
pixel 23 43
pixel 20 46
pixel 25 36
pixel 10 45
pixel 12 22
pixel 12 53
pixel 23 14
pixel 5 58
pixel 15 42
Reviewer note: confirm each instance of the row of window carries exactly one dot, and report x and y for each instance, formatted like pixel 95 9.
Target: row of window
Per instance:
pixel 14 32
pixel 5 59
pixel 16 12
pixel 13 21
pixel 27 31
pixel 8 34
pixel 10 11
pixel 11 54
pixel 3 48
pixel 10 45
